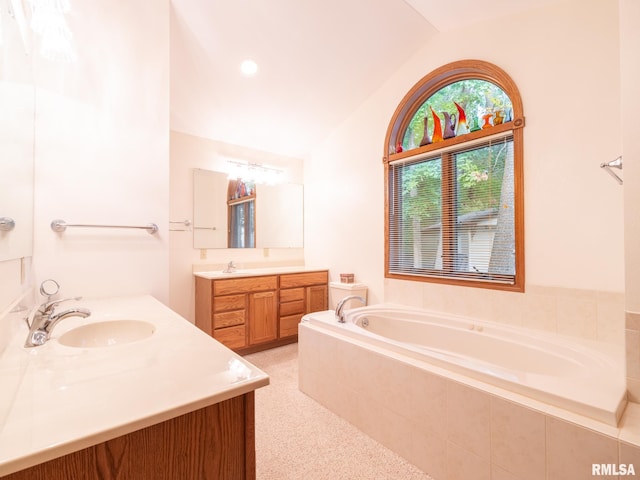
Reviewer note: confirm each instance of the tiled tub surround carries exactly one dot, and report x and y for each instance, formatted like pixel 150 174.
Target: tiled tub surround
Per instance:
pixel 582 376
pixel 588 314
pixel 451 426
pixel 632 348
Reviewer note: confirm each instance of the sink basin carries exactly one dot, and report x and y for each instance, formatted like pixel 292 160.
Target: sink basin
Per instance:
pixel 107 334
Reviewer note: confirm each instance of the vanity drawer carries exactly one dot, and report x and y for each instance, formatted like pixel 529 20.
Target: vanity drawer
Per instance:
pixel 292 294
pixel 292 280
pixel 290 308
pixel 229 302
pixel 244 285
pixel 232 337
pixel 228 319
pixel 289 325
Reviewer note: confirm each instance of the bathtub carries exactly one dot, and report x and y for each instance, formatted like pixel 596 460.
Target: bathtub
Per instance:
pixel 579 376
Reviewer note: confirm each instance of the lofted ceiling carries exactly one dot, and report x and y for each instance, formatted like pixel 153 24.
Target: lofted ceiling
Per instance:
pixel 318 61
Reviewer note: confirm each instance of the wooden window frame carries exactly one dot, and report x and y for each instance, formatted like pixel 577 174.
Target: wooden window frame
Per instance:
pixel 420 93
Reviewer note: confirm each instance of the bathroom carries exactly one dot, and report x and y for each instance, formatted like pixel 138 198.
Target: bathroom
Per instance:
pixel 108 150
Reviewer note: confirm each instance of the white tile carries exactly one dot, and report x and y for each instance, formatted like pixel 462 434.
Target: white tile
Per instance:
pixel 577 317
pixel 572 450
pixel 429 402
pixel 468 419
pixel 630 454
pixel 465 465
pixel 498 473
pixel 517 439
pixel 632 351
pixel 428 452
pixel 540 312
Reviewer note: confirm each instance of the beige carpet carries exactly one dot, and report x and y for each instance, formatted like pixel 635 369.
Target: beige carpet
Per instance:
pixel 298 439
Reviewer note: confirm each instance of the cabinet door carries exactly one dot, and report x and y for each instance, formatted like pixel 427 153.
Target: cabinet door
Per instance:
pixel 289 325
pixel 263 326
pixel 231 337
pixel 317 299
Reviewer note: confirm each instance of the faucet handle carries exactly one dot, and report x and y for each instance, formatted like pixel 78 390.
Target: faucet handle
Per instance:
pixel 49 287
pixel 231 267
pixel 49 306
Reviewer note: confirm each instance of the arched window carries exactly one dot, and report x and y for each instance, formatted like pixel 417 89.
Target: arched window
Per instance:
pixel 453 180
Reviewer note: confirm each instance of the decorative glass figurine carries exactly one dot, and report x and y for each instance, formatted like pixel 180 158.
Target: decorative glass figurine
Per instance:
pixel 426 140
pixel 461 127
pixel 508 114
pixel 437 127
pixel 449 125
pixel 474 124
pixel 486 120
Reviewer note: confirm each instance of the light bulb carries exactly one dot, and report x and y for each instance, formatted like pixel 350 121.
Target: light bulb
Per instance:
pixel 249 67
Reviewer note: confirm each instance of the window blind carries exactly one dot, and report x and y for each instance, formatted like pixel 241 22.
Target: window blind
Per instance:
pixel 451 213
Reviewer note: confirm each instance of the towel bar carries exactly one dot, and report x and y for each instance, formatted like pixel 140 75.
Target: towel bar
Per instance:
pixel 60 226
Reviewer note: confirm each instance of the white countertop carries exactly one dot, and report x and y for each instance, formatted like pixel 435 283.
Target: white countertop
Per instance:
pixel 60 399
pixel 256 272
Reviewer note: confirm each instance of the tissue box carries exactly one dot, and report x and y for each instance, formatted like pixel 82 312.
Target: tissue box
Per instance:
pixel 347 277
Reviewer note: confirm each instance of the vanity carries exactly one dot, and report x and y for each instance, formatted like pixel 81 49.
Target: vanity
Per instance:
pixel 256 309
pixel 157 398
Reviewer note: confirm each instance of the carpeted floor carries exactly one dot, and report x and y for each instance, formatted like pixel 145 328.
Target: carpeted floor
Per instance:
pixel 298 439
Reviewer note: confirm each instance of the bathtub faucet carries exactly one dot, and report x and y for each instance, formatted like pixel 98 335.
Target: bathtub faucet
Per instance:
pixel 343 302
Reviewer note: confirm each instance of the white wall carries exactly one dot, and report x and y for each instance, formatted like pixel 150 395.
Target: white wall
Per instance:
pixel 564 59
pixel 630 67
pixel 102 157
pixel 189 152
pixel 102 152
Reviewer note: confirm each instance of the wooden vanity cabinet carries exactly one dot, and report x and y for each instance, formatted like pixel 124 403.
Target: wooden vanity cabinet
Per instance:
pixel 301 293
pixel 238 312
pixel 211 443
pixel 248 314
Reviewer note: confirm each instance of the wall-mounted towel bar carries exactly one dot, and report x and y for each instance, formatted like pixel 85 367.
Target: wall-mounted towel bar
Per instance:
pixel 182 223
pixel 61 226
pixel 7 224
pixel 617 163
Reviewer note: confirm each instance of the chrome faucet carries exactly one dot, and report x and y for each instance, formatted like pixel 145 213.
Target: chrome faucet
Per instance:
pixel 231 267
pixel 343 302
pixel 45 319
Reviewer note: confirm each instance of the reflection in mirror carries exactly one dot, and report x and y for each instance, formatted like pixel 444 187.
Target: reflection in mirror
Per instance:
pixel 241 207
pixel 17 107
pixel 236 214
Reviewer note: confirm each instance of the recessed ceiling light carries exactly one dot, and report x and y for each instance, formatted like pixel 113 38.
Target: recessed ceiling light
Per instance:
pixel 249 67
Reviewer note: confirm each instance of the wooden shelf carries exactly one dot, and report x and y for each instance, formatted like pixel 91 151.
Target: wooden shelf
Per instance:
pixel 450 142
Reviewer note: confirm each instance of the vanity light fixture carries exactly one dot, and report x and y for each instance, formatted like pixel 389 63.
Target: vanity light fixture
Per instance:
pixel 255 172
pixel 48 26
pixel 249 67
pixel 16 11
pixel 48 21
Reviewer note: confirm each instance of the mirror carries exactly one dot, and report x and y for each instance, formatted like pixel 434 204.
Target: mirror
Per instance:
pixel 17 111
pixel 270 214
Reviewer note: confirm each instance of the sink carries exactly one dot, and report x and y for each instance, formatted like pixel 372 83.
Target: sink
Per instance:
pixel 107 333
